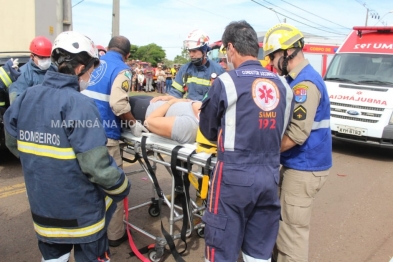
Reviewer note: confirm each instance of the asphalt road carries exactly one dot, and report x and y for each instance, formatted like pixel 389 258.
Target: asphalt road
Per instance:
pixel 352 216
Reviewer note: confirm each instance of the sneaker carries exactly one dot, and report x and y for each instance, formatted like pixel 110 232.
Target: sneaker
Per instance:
pixel 116 243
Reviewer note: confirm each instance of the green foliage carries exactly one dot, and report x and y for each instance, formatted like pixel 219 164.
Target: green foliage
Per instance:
pixel 150 53
pixel 180 60
pixel 133 50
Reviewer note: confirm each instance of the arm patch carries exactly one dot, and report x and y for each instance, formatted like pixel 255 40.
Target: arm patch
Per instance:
pixel 125 86
pixel 300 113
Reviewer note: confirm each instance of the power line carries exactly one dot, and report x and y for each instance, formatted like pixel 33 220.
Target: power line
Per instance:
pixel 298 15
pixel 297 20
pixel 315 15
pixel 78 3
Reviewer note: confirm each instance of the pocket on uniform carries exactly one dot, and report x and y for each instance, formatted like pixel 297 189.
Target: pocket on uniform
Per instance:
pixel 235 177
pixel 296 210
pixel 214 229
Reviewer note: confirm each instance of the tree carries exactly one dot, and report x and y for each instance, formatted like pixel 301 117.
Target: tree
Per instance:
pixel 133 51
pixel 182 58
pixel 151 53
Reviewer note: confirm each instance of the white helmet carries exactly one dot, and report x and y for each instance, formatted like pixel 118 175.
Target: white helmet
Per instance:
pixel 196 39
pixel 74 43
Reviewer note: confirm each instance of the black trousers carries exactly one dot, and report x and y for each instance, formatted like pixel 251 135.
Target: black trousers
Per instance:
pixel 139 105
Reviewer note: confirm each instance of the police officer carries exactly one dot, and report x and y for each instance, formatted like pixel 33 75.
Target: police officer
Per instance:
pixel 193 80
pixel 33 72
pixel 72 183
pixel 306 147
pixel 246 111
pixel 109 86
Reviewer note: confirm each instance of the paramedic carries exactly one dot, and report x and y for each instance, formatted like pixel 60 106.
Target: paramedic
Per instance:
pixel 177 119
pixel 306 146
pixel 109 86
pixel 246 111
pixel 71 180
pixel 194 78
pixel 33 71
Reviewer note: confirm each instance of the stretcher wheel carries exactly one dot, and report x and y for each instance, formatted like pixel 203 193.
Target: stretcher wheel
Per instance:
pixel 201 232
pixel 154 211
pixel 153 258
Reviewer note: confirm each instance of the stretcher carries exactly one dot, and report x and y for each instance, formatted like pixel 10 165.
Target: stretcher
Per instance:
pixel 191 162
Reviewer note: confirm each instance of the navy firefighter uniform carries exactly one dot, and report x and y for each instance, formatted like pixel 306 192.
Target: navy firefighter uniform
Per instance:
pixel 31 75
pixel 194 81
pixel 70 178
pixel 246 111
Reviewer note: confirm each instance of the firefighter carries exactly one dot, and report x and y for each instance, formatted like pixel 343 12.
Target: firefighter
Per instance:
pixel 33 71
pixel 9 72
pixel 101 50
pixel 306 148
pixel 193 80
pixel 72 183
pixel 246 111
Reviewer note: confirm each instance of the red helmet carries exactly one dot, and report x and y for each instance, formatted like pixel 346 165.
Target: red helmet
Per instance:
pixel 41 46
pixel 100 48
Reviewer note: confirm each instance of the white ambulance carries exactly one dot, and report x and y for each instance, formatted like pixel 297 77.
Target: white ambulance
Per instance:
pixel 360 86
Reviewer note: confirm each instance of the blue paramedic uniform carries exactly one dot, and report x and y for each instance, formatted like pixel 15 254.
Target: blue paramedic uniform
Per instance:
pixel 100 87
pixel 70 178
pixel 198 80
pixel 246 111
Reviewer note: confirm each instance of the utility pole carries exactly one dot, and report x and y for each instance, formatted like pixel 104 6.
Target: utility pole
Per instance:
pixel 116 18
pixel 67 16
pixel 366 15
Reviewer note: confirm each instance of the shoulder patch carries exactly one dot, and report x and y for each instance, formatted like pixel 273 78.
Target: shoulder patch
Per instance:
pixel 300 93
pixel 300 113
pixel 128 74
pixel 125 85
pixel 265 94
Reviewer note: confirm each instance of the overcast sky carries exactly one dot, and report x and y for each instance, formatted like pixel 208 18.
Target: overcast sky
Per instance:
pixel 167 22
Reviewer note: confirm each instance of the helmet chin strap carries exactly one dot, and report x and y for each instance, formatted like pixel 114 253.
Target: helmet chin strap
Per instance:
pixel 286 58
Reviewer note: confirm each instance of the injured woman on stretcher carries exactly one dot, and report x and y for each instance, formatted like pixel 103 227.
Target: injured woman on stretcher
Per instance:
pixel 177 119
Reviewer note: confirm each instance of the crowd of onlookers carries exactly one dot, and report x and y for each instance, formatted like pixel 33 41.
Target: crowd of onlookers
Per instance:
pixel 146 78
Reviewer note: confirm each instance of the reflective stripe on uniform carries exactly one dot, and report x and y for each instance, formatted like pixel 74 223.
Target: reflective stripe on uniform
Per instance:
pixel 108 202
pixel 4 77
pixel 120 189
pixel 63 232
pixel 289 97
pixel 63 258
pixel 230 114
pixel 2 103
pixel 177 86
pixel 199 81
pixel 96 95
pixel 247 258
pixel 48 151
pixel 321 124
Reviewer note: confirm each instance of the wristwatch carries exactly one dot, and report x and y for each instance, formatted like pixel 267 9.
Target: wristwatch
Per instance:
pixel 213 76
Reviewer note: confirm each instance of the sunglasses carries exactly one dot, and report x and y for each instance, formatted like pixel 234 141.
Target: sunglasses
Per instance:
pixel 271 56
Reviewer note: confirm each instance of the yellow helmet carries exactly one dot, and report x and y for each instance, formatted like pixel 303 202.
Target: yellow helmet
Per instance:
pixel 282 36
pixel 222 52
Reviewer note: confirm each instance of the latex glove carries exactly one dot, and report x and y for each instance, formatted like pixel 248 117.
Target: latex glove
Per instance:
pixel 137 129
pixel 15 63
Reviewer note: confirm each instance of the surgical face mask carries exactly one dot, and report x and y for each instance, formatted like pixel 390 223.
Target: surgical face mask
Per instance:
pixel 44 64
pixel 83 84
pixel 230 65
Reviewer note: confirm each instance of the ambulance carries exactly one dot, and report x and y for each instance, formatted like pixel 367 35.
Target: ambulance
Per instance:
pixel 360 86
